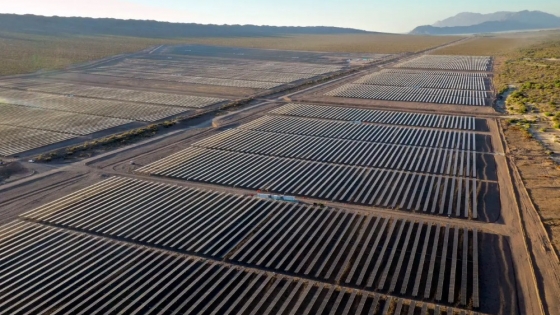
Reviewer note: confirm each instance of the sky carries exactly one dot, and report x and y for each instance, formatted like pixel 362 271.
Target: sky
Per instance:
pixel 395 16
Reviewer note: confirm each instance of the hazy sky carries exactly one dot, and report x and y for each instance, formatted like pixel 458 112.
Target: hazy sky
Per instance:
pixel 373 15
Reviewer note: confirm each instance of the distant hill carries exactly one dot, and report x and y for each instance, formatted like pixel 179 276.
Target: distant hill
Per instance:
pixel 33 24
pixel 474 23
pixel 469 18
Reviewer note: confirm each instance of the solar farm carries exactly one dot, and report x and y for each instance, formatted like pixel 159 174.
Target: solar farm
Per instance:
pixel 463 80
pixel 281 207
pixel 253 231
pixel 63 111
pixel 445 80
pixel 412 94
pixel 87 274
pixel 92 106
pixel 190 66
pixel 250 74
pixel 442 62
pixel 126 93
pixel 14 140
pixel 399 167
pixel 380 116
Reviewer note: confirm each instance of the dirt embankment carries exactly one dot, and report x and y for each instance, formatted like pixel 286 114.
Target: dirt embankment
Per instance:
pixel 541 176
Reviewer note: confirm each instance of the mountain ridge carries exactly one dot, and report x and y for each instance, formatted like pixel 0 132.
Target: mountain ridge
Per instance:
pixel 55 25
pixel 471 18
pixel 502 21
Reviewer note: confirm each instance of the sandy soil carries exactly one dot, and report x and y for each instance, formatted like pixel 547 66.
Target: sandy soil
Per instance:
pixel 537 267
pixel 538 188
pixel 541 177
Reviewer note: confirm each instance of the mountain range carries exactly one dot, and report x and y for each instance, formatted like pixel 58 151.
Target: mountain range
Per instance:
pixel 475 23
pixel 60 26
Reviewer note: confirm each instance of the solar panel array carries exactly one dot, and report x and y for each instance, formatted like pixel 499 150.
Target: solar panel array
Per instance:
pixel 438 72
pixel 345 152
pixel 53 271
pixel 126 95
pixel 454 196
pixel 222 72
pixel 412 94
pixel 56 121
pixel 331 245
pixel 190 79
pixel 235 74
pixel 468 63
pixel 424 80
pixel 213 225
pixel 132 246
pixel 64 110
pixel 91 106
pixel 14 140
pixel 425 170
pixel 383 255
pixel 376 116
pixel 404 135
pixel 448 86
pixel 231 64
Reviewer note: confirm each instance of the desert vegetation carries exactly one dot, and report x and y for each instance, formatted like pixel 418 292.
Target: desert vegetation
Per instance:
pixel 532 75
pixel 486 46
pixel 26 53
pixel 497 44
pixel 529 79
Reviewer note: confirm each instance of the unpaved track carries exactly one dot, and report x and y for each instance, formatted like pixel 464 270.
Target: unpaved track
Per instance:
pixel 528 233
pixel 529 301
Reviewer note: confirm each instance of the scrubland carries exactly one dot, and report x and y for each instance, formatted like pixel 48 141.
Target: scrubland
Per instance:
pixel 532 75
pixel 24 53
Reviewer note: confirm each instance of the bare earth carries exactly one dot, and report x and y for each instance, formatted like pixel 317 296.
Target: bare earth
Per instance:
pixel 536 180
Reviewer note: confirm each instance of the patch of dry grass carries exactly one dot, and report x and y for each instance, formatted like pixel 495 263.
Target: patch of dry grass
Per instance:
pixel 498 44
pixel 486 46
pixel 21 53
